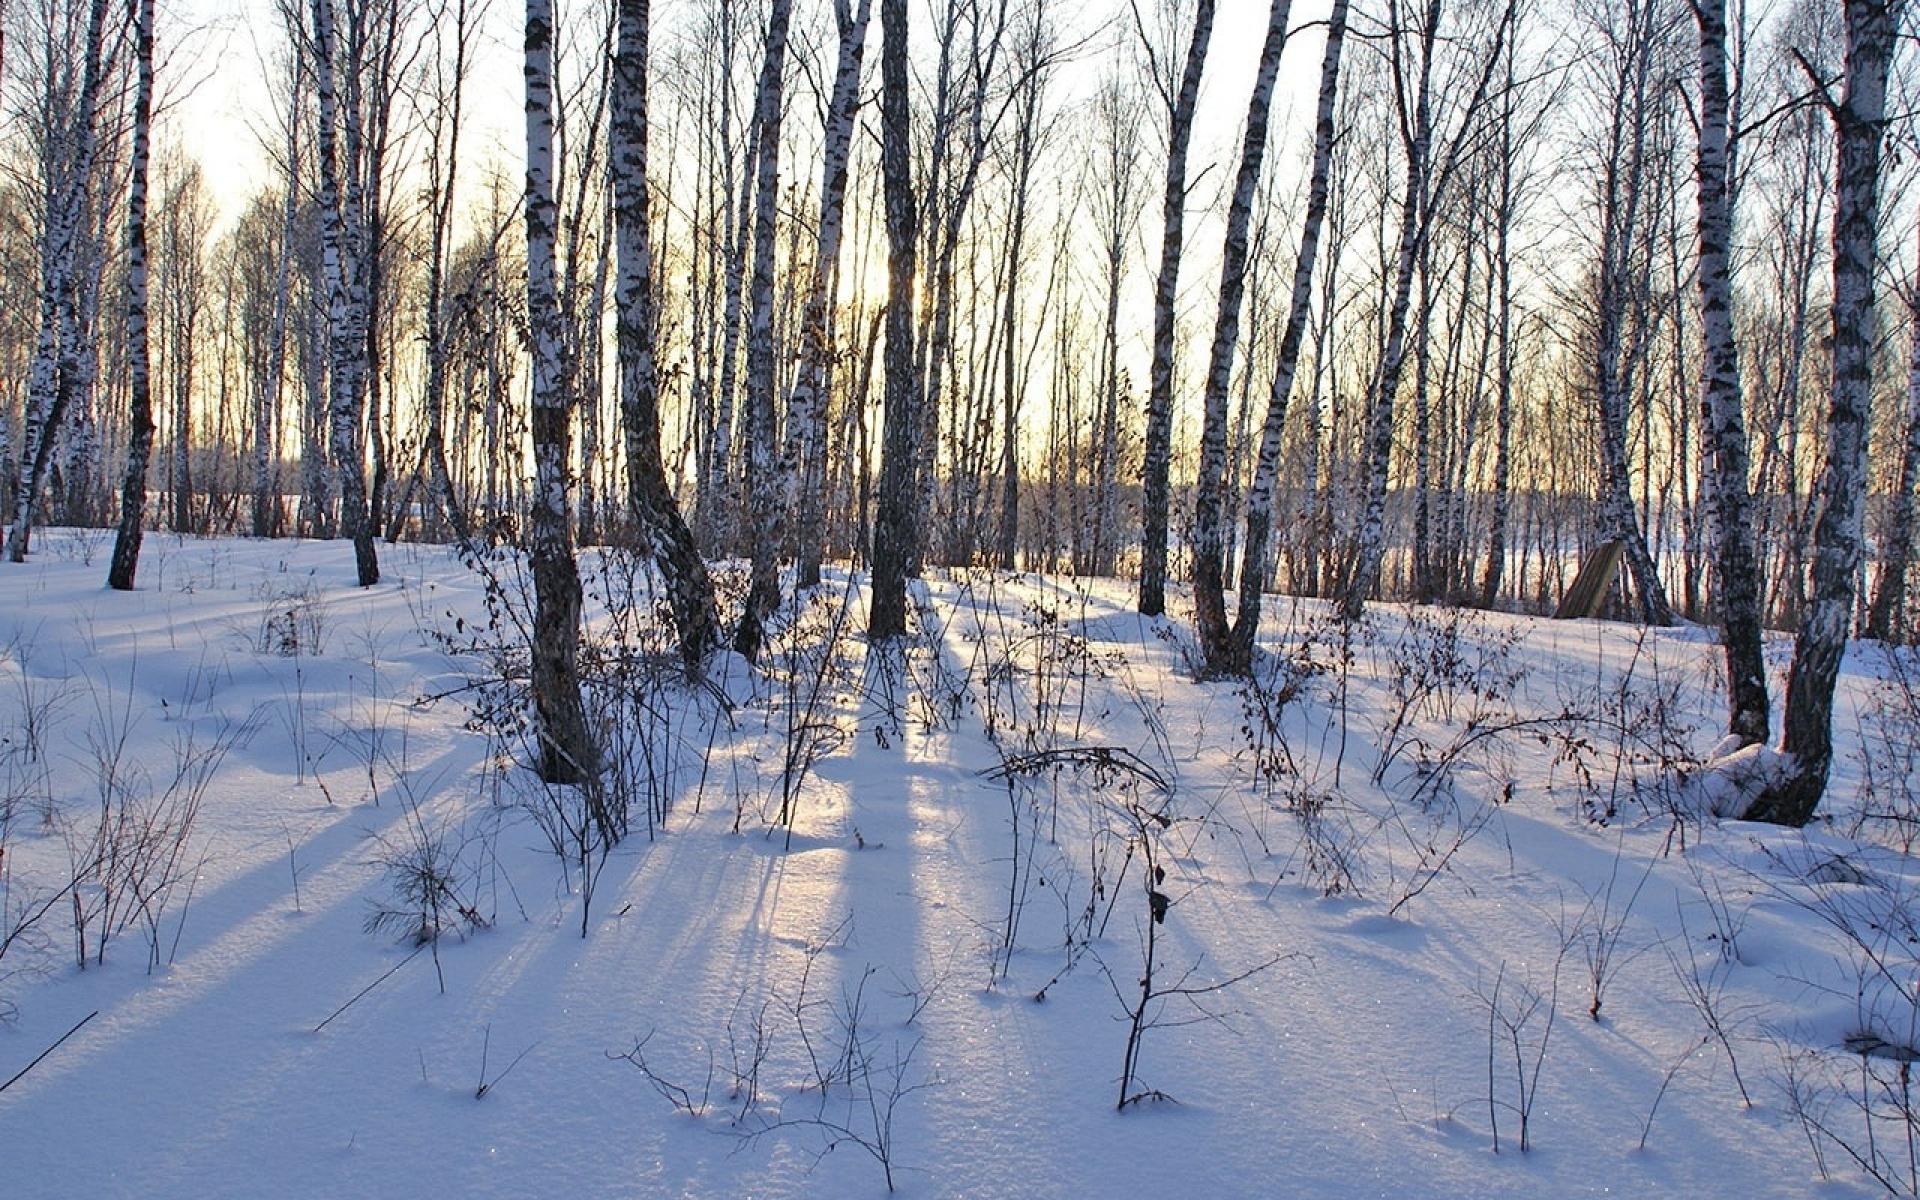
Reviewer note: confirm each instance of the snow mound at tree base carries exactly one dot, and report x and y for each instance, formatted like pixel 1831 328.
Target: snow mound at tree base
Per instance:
pixel 1732 779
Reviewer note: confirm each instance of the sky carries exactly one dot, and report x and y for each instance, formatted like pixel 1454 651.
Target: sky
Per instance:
pixel 225 78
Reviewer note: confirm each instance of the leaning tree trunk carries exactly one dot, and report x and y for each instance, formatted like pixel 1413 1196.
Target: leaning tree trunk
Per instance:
pixel 1259 507
pixel 1156 468
pixel 567 753
pixel 1209 534
pixel 50 382
pixel 655 512
pixel 1724 423
pixel 133 488
pixel 1860 117
pixel 895 524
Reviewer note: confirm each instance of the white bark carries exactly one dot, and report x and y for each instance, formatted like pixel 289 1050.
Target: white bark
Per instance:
pixel 52 378
pixel 894 526
pixel 1260 497
pixel 1157 465
pixel 133 492
pixel 1209 534
pixel 761 483
pixel 804 458
pixel 1724 429
pixel 346 302
pixel 1860 117
pixel 566 747
pixel 655 512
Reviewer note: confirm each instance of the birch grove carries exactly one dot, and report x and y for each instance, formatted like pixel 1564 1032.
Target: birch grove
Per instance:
pixel 1129 292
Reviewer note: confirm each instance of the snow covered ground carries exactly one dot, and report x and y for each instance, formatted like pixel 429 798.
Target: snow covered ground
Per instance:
pixel 1438 912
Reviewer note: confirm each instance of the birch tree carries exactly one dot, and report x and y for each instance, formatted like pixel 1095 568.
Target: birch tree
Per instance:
pixel 269 381
pixel 1504 204
pixel 1032 57
pixel 1790 214
pixel 1209 602
pixel 178 262
pixel 55 375
pixel 346 308
pixel 895 532
pixel 761 483
pixel 966 118
pixel 1238 648
pixel 374 53
pixel 133 488
pixel 1887 616
pixel 1633 57
pixel 567 752
pixel 1156 486
pixel 1428 175
pixel 454 27
pixel 1114 204
pixel 717 508
pixel 803 467
pixel 1723 418
pixel 655 512
pixel 1859 116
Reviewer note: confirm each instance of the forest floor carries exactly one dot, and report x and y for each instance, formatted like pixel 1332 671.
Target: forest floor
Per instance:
pixel 1436 906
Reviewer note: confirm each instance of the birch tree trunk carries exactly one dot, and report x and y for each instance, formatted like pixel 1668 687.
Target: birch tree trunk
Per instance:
pixel 1621 276
pixel 1428 176
pixel 1724 427
pixel 447 102
pixel 947 206
pixel 895 521
pixel 1860 116
pixel 1115 200
pixel 1032 56
pixel 1238 659
pixel 567 752
pixel 51 382
pixel 1502 317
pixel 1417 135
pixel 346 357
pixel 133 488
pixel 804 457
pixel 185 215
pixel 1887 616
pixel 1209 536
pixel 266 410
pixel 371 68
pixel 761 484
pixel 1156 485
pixel 718 508
pixel 656 514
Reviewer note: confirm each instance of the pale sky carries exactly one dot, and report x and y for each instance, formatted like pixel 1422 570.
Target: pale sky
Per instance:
pixel 229 45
